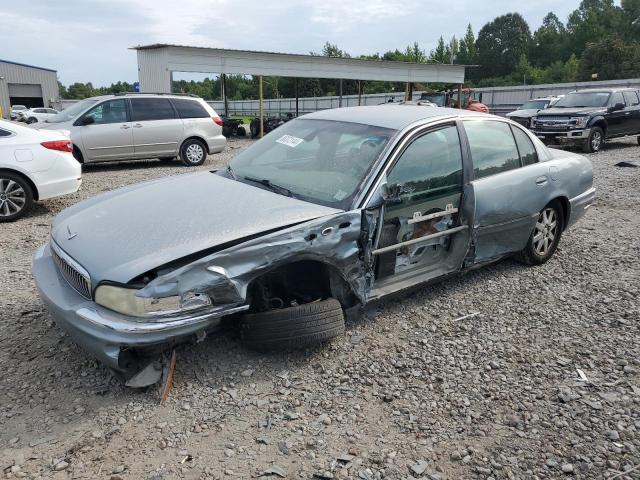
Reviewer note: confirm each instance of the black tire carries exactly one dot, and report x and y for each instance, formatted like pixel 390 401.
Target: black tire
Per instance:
pixel 31 120
pixel 77 154
pixel 189 155
pixel 595 142
pixel 532 254
pixel 293 327
pixel 242 132
pixel 167 159
pixel 15 192
pixel 254 128
pixel 638 139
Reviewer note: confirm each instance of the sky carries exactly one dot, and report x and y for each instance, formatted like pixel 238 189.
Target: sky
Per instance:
pixel 89 40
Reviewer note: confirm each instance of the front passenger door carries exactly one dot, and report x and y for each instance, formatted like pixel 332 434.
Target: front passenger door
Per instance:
pixel 108 136
pixel 424 232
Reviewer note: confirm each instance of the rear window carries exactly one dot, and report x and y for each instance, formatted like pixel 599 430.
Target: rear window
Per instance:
pixel 143 109
pixel 631 98
pixel 189 108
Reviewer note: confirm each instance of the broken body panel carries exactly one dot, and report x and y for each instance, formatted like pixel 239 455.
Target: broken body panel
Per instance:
pixel 223 251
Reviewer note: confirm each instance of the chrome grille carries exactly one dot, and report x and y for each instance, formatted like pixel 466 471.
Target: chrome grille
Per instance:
pixel 75 276
pixel 553 118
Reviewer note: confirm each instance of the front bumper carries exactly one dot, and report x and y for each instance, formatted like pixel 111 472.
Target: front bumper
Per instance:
pixel 563 137
pixel 106 334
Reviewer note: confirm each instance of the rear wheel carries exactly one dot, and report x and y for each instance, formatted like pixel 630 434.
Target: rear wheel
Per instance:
pixel 193 153
pixel 545 237
pixel 16 197
pixel 293 327
pixel 31 120
pixel 595 140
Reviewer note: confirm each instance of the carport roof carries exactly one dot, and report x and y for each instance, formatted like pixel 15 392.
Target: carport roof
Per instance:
pixel 184 58
pixel 26 65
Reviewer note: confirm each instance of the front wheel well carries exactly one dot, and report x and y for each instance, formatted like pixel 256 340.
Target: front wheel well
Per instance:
pixel 34 189
pixel 298 283
pixel 602 124
pixel 195 137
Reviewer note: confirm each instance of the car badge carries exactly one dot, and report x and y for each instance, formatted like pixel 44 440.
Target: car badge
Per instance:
pixel 71 235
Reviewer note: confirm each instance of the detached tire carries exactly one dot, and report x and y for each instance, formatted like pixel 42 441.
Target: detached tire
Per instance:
pixel 293 327
pixel 595 141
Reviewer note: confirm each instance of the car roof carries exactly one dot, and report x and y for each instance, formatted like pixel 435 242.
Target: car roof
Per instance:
pixel 146 95
pixel 605 90
pixel 391 116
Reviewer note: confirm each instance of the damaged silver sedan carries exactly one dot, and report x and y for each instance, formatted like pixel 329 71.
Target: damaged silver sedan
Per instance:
pixel 323 215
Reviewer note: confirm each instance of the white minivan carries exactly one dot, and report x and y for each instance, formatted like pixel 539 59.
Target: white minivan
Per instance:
pixel 132 126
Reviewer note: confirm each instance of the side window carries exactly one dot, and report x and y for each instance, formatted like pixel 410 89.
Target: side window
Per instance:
pixel 631 98
pixel 493 149
pixel 189 108
pixel 430 166
pixel 38 110
pixel 616 98
pixel 151 109
pixel 5 133
pixel 113 111
pixel 528 154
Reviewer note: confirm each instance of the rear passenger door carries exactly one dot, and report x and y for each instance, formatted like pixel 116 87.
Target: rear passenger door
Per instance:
pixel 157 130
pixel 509 186
pixel 632 111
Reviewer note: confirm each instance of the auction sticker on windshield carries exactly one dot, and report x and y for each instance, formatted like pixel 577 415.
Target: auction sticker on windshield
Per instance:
pixel 290 141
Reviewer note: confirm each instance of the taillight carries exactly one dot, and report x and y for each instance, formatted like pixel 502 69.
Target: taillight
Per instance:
pixel 60 145
pixel 218 120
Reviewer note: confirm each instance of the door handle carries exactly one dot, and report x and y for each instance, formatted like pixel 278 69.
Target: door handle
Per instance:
pixel 540 181
pixel 137 125
pixel 124 127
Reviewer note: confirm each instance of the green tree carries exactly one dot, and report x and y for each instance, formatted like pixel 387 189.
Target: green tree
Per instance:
pixel 501 43
pixel 549 42
pixel 439 54
pixel 467 49
pixel 610 58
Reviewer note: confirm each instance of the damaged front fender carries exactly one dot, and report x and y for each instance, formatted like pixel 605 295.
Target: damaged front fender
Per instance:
pixel 341 241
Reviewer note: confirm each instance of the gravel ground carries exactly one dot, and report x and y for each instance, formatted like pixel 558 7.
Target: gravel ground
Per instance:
pixel 411 391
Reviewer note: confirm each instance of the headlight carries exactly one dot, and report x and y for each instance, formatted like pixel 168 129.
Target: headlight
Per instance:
pixel 579 122
pixel 125 301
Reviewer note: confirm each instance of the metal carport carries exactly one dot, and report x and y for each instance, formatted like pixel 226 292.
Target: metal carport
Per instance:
pixel 157 62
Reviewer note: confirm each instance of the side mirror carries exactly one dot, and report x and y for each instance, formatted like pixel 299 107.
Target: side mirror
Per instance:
pixel 87 121
pixel 616 107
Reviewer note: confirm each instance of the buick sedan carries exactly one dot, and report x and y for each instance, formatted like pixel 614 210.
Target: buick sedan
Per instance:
pixel 328 212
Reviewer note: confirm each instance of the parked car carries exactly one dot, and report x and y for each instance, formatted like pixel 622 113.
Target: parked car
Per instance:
pixel 33 115
pixel 588 118
pixel 138 126
pixel 324 214
pixel 33 166
pixel 15 110
pixel 530 108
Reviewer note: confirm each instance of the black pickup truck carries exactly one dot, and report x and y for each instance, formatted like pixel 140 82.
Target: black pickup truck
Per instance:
pixel 589 117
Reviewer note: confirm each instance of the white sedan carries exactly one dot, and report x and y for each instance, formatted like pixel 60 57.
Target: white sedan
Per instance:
pixel 34 115
pixel 34 165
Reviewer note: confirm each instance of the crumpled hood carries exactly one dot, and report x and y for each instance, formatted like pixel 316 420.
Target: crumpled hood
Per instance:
pixel 124 233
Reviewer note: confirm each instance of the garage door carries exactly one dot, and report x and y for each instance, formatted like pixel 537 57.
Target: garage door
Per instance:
pixel 29 95
pixel 25 90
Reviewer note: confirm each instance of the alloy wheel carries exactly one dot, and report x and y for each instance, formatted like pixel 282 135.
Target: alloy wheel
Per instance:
pixel 194 153
pixel 596 141
pixel 545 232
pixel 12 197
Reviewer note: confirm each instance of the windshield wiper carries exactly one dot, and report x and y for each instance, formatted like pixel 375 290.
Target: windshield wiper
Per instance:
pixel 230 171
pixel 271 186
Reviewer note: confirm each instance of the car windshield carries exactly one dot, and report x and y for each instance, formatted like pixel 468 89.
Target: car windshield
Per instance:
pixel 18 107
pixel 587 99
pixel 320 161
pixel 72 112
pixel 534 105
